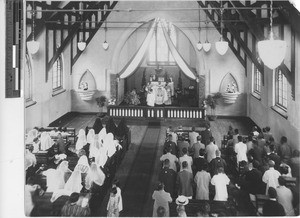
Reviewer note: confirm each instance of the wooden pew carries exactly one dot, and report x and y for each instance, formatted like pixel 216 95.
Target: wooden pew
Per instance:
pixel 216 207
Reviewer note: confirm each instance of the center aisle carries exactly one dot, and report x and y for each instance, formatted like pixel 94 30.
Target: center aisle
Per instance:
pixel 137 184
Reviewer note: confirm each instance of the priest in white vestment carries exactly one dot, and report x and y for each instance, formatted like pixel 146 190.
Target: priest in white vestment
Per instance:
pixel 150 98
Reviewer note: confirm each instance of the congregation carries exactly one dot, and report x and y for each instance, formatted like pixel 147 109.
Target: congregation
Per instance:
pixel 95 152
pixel 243 170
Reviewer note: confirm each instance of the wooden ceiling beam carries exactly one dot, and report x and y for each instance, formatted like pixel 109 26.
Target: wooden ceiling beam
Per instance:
pixel 72 32
pixel 258 33
pixel 92 34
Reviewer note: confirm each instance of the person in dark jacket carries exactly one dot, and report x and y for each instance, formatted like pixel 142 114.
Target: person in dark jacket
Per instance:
pixel 199 162
pixel 272 207
pixel 205 135
pixel 216 163
pixel 168 177
pixel 170 144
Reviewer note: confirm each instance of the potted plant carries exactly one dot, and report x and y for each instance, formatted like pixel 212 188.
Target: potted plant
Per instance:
pixel 211 101
pixel 101 101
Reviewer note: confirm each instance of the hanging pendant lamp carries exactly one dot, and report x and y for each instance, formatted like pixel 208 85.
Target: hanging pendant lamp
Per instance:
pixel 105 44
pixel 271 51
pixel 206 45
pixel 221 46
pixel 81 44
pixel 33 46
pixel 199 44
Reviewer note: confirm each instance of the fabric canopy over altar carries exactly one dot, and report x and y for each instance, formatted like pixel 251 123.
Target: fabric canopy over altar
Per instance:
pixel 139 56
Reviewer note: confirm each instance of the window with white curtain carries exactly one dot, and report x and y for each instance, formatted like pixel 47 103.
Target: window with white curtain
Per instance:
pixel 159 53
pixel 57 74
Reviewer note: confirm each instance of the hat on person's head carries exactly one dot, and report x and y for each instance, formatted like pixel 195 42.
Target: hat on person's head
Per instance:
pixel 74 197
pixel 182 200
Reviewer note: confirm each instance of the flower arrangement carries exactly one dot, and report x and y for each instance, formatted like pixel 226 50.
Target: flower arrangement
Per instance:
pixel 132 98
pixel 101 101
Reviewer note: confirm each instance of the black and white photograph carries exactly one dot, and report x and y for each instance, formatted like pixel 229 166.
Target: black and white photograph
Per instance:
pixel 149 108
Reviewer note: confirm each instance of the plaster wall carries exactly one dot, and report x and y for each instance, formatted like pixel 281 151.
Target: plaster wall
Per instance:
pixel 124 42
pixel 47 108
pixel 261 112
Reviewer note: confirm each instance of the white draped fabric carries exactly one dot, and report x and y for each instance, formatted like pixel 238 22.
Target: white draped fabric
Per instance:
pixel 73 185
pixel 136 60
pixel 90 136
pixel 83 164
pixel 81 141
pixel 46 141
pixel 95 175
pixel 177 57
pixel 32 134
pixel 30 159
pixel 109 144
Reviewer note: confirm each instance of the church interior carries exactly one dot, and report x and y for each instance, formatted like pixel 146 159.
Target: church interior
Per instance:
pixel 151 108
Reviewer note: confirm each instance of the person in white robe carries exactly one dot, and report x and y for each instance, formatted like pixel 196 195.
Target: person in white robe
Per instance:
pixel 109 144
pixel 31 136
pixel 46 141
pixel 56 177
pixel 81 140
pixel 30 159
pixel 151 98
pixel 161 96
pixel 169 94
pixel 83 164
pixel 94 175
pixel 90 136
pixel 72 185
pixel 102 135
pixel 220 181
pixel 94 147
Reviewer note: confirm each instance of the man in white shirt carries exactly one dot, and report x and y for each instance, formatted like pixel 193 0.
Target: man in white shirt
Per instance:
pixel 186 158
pixel 271 176
pixel 220 181
pixel 172 158
pixel 241 150
pixel 211 149
pixel 193 136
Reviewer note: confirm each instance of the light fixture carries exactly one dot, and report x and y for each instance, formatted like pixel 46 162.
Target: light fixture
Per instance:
pixel 271 51
pixel 206 45
pixel 81 44
pixel 221 46
pixel 105 44
pixel 33 46
pixel 199 44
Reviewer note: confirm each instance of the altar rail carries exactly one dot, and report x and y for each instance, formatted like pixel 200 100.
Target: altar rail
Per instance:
pixel 156 112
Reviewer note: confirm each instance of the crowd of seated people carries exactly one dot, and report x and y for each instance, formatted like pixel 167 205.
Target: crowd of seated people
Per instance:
pixel 195 167
pixel 96 154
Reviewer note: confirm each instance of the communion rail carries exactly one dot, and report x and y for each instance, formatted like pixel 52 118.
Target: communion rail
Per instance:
pixel 156 112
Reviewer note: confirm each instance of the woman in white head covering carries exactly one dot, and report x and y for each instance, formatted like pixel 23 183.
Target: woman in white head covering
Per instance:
pixel 56 177
pixel 94 175
pixel 109 144
pixel 32 134
pixel 46 141
pixel 82 164
pixel 90 136
pixel 30 159
pixel 81 140
pixel 73 185
pixel 94 147
pixel 102 135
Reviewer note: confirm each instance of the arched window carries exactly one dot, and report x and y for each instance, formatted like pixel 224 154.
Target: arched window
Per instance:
pixel 281 94
pixel 57 75
pixel 28 79
pixel 159 52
